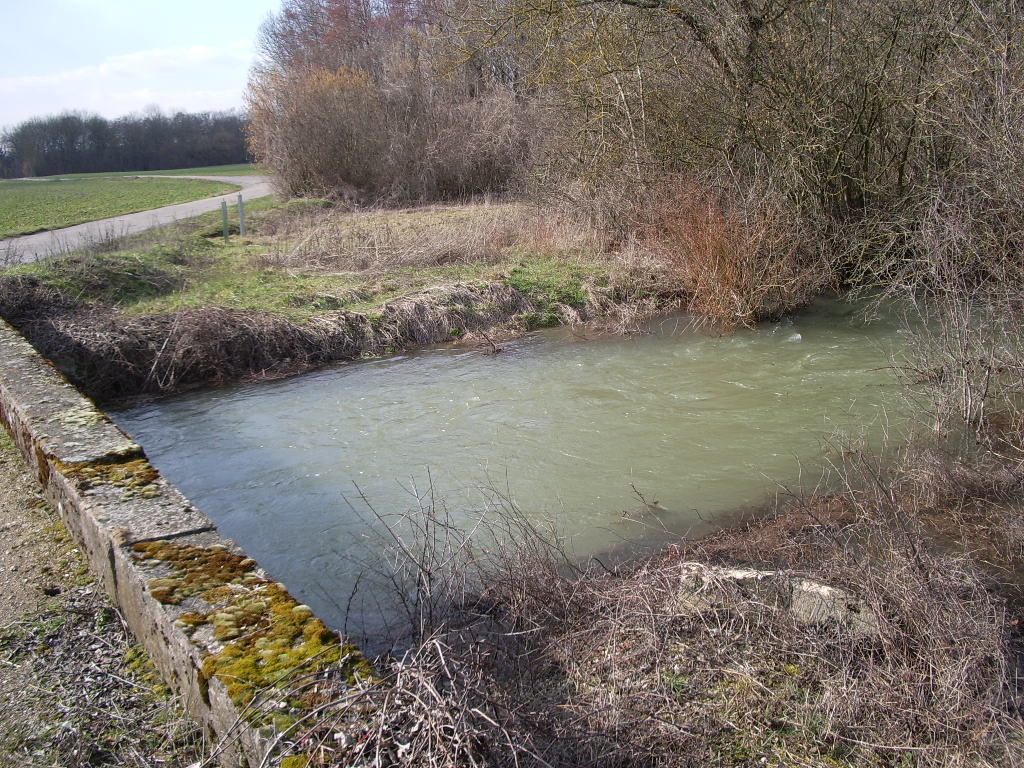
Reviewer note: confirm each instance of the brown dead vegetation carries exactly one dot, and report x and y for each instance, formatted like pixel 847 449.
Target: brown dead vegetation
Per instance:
pixel 109 355
pixel 519 656
pixel 430 236
pixel 736 258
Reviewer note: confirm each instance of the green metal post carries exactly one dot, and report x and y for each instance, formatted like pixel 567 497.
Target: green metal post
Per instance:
pixel 224 214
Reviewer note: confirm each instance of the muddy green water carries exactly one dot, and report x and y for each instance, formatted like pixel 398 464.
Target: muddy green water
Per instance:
pixel 572 429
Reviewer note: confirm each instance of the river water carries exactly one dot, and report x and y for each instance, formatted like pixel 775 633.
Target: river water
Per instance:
pixel 615 439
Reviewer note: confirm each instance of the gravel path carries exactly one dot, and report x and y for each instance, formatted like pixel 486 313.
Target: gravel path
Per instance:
pixel 28 248
pixel 75 692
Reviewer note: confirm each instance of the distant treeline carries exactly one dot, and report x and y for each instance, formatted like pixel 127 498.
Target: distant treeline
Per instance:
pixel 79 143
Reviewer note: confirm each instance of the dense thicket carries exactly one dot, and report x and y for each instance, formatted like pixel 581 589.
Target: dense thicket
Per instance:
pixel 79 143
pixel 374 99
pixel 838 114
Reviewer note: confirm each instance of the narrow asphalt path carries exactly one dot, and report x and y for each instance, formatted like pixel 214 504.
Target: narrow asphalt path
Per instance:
pixel 26 248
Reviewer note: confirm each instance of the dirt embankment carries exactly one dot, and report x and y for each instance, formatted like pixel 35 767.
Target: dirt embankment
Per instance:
pixel 311 284
pixel 111 356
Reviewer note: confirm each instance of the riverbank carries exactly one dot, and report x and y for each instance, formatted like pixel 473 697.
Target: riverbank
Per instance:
pixel 842 632
pixel 75 689
pixel 697 656
pixel 311 284
pixel 589 667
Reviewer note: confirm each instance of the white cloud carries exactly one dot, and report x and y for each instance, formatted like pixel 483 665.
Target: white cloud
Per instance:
pixel 195 78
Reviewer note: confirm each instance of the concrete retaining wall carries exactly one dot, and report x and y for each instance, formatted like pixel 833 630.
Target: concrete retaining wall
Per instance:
pixel 218 629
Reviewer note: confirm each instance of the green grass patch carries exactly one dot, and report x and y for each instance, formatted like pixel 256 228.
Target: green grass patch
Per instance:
pixel 551 281
pixel 238 169
pixel 36 206
pixel 189 266
pixel 231 281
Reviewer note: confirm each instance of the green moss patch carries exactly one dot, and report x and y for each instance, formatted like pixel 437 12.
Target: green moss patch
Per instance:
pixel 266 634
pixel 272 636
pixel 197 571
pixel 135 476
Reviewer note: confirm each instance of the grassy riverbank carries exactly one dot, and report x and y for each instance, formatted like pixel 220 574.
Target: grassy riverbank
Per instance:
pixel 311 283
pixel 35 206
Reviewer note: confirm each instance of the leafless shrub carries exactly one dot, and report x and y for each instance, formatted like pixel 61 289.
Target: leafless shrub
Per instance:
pixel 948 247
pixel 960 288
pixel 426 707
pixel 736 257
pixel 967 359
pixel 364 135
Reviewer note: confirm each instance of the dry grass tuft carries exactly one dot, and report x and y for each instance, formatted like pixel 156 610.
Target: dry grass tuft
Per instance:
pixel 433 236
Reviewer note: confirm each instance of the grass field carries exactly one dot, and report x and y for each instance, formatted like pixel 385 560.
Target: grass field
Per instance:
pixel 239 169
pixel 35 206
pixel 188 266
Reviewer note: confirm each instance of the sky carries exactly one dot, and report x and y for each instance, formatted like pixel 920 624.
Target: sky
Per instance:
pixel 113 57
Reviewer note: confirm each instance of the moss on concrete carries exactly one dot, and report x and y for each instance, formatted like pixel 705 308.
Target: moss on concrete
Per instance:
pixel 264 635
pixel 196 571
pixel 136 476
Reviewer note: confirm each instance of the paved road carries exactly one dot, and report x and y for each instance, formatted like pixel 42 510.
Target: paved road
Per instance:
pixel 34 247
